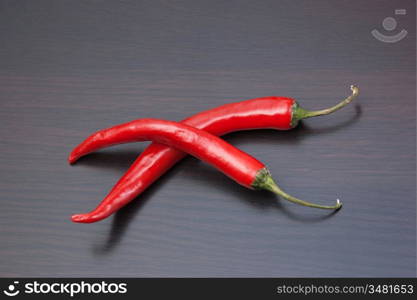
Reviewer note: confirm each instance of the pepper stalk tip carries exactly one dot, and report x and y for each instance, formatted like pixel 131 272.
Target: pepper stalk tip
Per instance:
pixel 300 113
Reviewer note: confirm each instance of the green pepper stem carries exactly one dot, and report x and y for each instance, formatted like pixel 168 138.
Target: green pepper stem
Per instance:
pixel 265 181
pixel 302 113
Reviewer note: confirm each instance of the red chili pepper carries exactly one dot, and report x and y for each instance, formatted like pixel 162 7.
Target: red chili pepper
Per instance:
pixel 269 112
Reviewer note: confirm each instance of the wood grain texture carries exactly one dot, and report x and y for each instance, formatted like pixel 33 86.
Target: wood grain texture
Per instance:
pixel 68 68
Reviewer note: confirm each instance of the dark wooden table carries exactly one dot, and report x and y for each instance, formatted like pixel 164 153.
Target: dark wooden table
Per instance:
pixel 68 68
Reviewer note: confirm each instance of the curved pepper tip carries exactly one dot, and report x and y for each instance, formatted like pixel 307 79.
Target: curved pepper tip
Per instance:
pixel 72 158
pixel 90 217
pixel 80 218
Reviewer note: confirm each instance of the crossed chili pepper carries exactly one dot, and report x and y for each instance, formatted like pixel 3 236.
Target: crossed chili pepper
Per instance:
pixel 197 136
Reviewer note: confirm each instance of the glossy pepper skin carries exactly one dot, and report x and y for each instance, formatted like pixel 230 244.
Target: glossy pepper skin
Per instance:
pixel 279 113
pixel 234 163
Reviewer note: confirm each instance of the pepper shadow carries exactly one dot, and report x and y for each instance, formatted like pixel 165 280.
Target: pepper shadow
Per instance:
pixel 123 217
pixel 122 159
